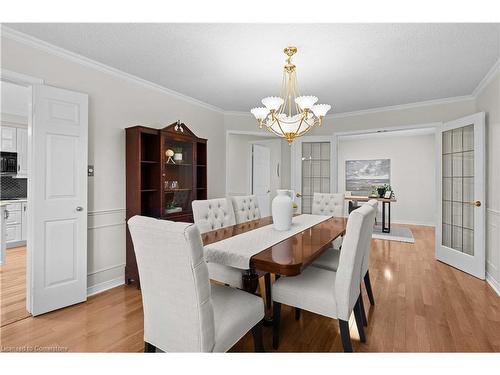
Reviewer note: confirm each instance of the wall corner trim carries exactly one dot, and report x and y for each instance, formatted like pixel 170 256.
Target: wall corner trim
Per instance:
pixel 494 70
pixel 106 285
pixel 495 285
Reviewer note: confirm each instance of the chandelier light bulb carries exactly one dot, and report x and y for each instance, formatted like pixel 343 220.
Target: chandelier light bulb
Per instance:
pixel 260 113
pixel 306 102
pixel 321 110
pixel 273 103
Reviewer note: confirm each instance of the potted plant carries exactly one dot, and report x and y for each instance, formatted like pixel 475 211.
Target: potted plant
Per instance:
pixel 381 189
pixel 178 153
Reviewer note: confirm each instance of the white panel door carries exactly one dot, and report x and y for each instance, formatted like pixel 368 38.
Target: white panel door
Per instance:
pixel 461 170
pixel 22 152
pixel 261 178
pixel 58 199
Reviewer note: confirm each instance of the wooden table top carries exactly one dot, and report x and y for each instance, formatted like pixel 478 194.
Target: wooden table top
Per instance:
pixel 288 257
pixel 366 199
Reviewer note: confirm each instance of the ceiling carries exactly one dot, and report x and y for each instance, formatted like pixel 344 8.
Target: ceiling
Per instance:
pixel 232 66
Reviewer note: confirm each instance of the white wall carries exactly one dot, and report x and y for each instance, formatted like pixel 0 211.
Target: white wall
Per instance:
pixel 14 103
pixel 412 171
pixel 488 101
pixel 238 178
pixel 114 104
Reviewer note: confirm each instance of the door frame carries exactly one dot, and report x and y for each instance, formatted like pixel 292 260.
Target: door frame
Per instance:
pixel 28 82
pixel 480 157
pixel 249 164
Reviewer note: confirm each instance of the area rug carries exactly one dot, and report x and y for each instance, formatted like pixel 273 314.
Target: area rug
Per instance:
pixel 401 234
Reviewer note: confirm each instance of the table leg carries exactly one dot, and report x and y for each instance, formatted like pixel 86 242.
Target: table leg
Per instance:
pixel 386 228
pixel 250 281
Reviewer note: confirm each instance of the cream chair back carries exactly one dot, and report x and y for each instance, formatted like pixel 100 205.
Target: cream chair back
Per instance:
pixel 246 208
pixel 366 260
pixel 358 233
pixel 178 312
pixel 331 204
pixel 213 214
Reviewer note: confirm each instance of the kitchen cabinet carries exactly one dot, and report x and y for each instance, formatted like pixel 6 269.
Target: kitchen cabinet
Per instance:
pixel 15 221
pixel 8 135
pixel 22 152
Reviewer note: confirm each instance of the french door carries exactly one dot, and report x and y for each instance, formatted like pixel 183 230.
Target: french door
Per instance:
pixel 460 231
pixel 313 169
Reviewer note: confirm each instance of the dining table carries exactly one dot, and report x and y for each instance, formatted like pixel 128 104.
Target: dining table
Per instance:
pixel 282 253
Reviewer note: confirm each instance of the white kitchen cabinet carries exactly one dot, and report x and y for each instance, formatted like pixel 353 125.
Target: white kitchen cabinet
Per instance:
pixel 22 152
pixel 15 221
pixel 8 135
pixel 24 221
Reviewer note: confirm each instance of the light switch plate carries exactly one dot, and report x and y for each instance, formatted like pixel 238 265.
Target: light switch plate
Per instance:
pixel 90 171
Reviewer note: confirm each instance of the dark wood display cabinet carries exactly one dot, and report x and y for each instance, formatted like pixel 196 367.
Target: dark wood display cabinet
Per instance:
pixel 166 170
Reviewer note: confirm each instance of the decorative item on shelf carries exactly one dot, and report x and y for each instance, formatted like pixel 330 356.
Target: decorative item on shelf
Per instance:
pixel 282 209
pixel 295 207
pixel 178 154
pixel 381 189
pixel 178 127
pixel 174 185
pixel 388 194
pixel 169 153
pixel 172 208
pixel 290 115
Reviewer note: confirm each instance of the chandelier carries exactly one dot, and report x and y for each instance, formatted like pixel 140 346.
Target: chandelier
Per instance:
pixel 290 115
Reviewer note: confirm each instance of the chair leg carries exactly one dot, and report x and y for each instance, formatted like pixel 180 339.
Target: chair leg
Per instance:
pixel 276 324
pixel 368 286
pixel 149 348
pixel 346 338
pixel 257 338
pixel 359 321
pixel 297 313
pixel 363 312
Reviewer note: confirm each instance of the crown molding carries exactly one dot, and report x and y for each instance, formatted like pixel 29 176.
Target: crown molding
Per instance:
pixel 397 107
pixel 61 52
pixel 31 41
pixel 495 69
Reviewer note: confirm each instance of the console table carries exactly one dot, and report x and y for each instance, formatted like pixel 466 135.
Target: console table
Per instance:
pixel 386 224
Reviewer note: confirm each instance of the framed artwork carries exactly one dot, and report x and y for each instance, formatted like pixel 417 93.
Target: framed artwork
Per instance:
pixel 388 194
pixel 362 175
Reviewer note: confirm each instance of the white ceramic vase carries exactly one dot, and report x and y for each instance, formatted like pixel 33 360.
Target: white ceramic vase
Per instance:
pixel 282 209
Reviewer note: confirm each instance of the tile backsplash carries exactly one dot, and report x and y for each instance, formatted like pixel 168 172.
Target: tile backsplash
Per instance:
pixel 13 187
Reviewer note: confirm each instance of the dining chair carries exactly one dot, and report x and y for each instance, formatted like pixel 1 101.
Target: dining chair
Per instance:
pixel 330 260
pixel 246 208
pixel 214 214
pixel 333 294
pixel 331 204
pixel 183 312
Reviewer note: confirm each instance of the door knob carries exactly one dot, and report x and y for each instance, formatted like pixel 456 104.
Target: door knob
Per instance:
pixel 79 208
pixel 475 203
pixel 298 195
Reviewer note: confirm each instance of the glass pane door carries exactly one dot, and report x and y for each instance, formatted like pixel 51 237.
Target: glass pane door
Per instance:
pixel 315 171
pixel 460 230
pixel 458 189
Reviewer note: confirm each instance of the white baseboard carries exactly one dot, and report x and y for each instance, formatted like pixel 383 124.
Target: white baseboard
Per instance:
pixel 101 287
pixel 409 222
pixel 495 285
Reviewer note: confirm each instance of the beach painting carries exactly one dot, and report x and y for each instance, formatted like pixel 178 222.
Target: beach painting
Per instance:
pixel 362 175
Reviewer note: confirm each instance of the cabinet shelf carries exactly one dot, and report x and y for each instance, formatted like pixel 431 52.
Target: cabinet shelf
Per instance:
pixel 149 162
pixel 148 190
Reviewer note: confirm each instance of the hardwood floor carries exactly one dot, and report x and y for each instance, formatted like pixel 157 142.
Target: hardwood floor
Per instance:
pixel 13 286
pixel 422 305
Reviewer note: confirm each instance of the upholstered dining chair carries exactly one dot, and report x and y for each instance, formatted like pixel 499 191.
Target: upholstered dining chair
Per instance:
pixel 246 208
pixel 331 204
pixel 182 311
pixel 333 294
pixel 330 261
pixel 214 214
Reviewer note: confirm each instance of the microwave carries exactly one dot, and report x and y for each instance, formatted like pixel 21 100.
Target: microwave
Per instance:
pixel 8 163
